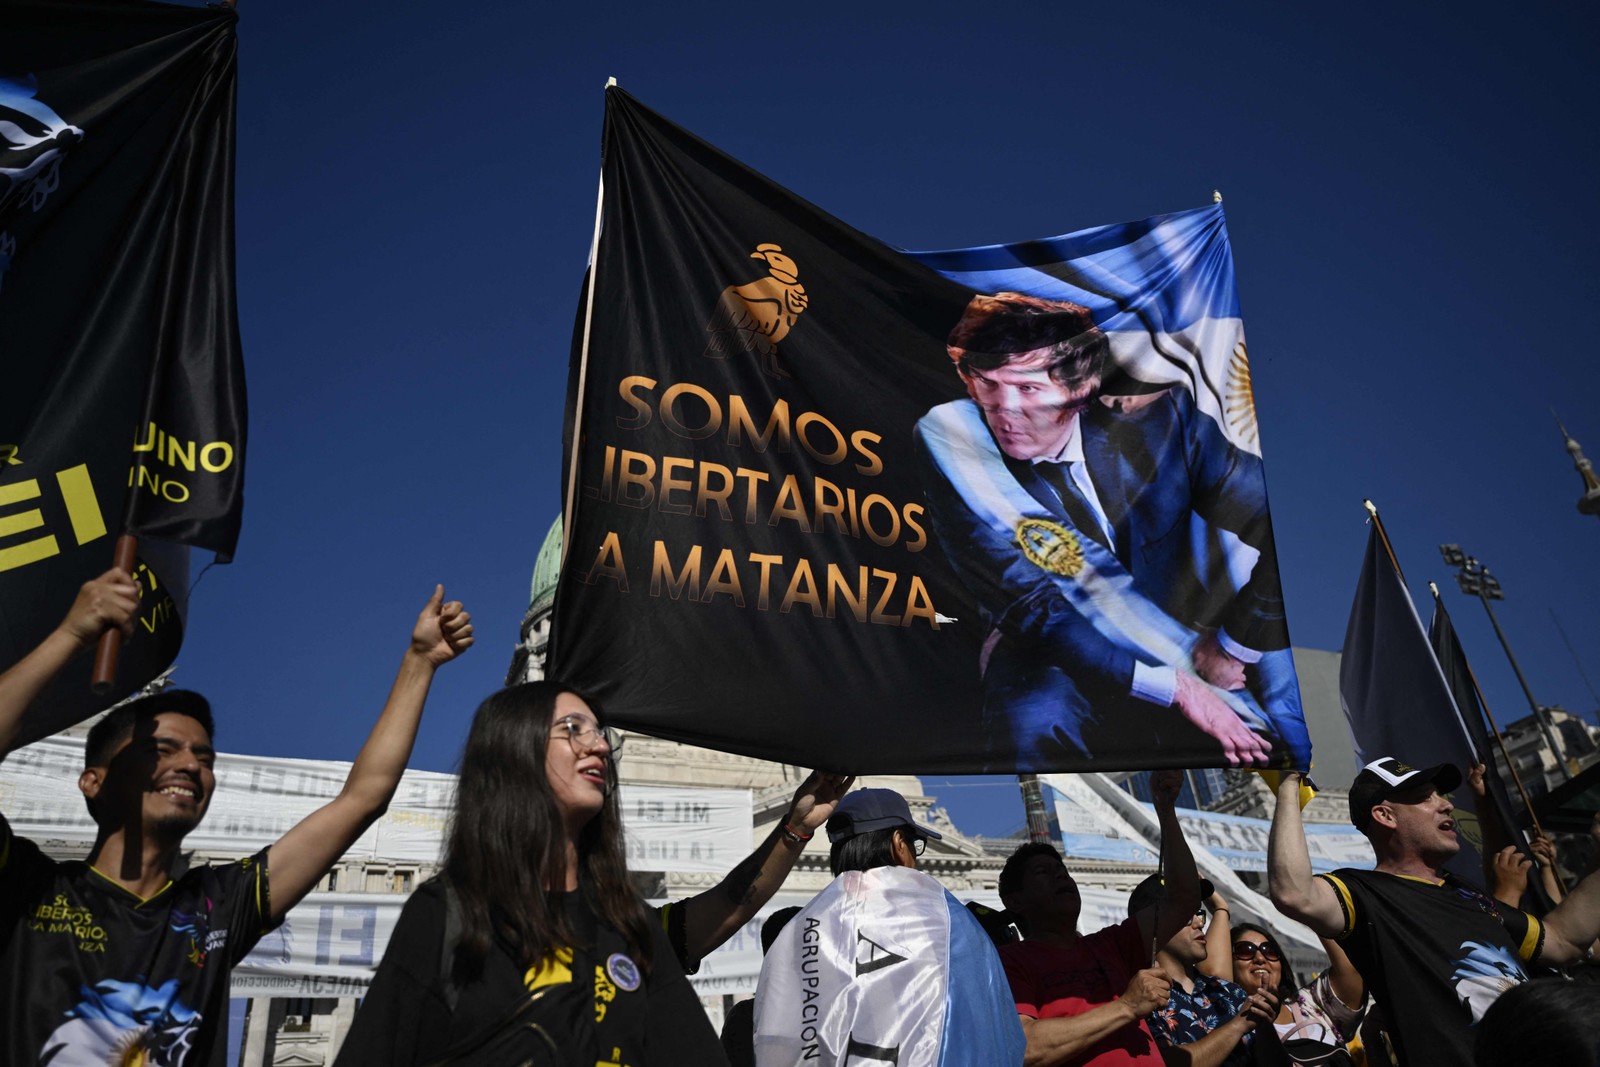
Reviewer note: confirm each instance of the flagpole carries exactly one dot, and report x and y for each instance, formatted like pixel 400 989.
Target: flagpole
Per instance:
pixel 583 362
pixel 1383 535
pixel 1494 727
pixel 1500 740
pixel 109 648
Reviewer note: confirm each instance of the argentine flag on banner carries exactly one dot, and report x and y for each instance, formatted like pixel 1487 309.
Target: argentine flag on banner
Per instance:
pixel 885 966
pixel 1162 289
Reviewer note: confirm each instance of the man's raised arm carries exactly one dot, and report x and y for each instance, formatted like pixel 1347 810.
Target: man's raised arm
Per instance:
pixel 1295 891
pixel 107 602
pixel 301 856
pixel 1161 924
pixel 715 915
pixel 1574 924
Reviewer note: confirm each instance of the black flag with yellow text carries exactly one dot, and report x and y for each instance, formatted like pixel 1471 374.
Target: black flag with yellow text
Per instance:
pixel 814 521
pixel 123 407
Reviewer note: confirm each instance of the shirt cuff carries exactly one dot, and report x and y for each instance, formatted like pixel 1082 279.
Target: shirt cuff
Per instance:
pixel 1236 650
pixel 1158 685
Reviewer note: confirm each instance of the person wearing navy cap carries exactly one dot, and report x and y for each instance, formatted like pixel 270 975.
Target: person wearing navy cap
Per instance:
pixel 867 971
pixel 873 828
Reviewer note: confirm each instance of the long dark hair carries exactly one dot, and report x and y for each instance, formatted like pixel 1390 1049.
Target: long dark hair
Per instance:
pixel 507 841
pixel 1287 988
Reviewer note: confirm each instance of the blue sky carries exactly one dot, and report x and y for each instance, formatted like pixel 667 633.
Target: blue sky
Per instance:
pixel 1410 196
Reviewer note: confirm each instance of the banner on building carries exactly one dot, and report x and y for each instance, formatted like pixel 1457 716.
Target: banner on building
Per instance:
pixel 1237 840
pixel 258 799
pixel 123 408
pixel 329 945
pixel 1133 820
pixel 992 509
pixel 1396 696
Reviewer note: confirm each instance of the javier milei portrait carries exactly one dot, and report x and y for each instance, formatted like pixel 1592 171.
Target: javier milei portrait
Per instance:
pixel 1120 548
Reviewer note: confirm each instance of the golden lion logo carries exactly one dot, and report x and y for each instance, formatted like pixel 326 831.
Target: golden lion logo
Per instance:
pixel 756 316
pixel 1050 546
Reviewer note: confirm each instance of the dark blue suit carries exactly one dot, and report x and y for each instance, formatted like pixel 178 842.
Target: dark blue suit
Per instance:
pixel 1168 482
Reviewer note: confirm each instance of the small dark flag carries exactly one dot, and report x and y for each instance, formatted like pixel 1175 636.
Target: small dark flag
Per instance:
pixel 1396 697
pixel 1453 662
pixel 123 409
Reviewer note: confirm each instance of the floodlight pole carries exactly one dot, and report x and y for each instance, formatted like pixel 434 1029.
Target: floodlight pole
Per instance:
pixel 1540 713
pixel 1476 580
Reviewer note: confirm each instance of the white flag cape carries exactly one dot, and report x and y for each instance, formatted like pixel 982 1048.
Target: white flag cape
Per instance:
pixel 885 967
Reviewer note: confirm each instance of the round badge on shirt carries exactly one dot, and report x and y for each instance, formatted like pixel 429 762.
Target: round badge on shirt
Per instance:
pixel 623 972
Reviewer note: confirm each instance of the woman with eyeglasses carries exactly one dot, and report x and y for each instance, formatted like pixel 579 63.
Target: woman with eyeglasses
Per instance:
pixel 1320 1012
pixel 532 947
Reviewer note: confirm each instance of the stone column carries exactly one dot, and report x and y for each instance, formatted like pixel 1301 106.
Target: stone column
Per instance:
pixel 261 1026
pixel 344 1013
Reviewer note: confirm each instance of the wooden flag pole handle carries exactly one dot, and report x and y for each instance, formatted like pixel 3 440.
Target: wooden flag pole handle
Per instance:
pixel 110 646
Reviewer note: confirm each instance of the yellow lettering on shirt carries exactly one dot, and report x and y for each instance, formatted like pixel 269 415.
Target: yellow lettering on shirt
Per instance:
pixel 554 969
pixel 604 993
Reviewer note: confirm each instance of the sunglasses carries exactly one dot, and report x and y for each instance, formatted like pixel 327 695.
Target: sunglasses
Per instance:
pixel 1243 950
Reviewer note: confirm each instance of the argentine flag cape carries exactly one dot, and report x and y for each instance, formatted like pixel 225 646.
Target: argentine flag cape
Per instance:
pixel 885 966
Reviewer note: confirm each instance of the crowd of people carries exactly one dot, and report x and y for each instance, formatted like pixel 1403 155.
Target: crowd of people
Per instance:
pixel 531 946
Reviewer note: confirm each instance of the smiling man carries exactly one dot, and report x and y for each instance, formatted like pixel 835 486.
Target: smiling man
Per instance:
pixel 125 957
pixel 1119 547
pixel 1207 1019
pixel 1435 951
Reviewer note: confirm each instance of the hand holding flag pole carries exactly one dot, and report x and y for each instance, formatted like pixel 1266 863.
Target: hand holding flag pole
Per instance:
pixel 110 644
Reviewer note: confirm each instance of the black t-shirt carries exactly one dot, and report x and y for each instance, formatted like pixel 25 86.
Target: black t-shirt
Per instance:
pixel 1435 956
pixel 90 973
pixel 583 1006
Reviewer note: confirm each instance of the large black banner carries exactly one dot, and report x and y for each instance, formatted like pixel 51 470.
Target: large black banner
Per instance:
pixel 123 407
pixel 839 505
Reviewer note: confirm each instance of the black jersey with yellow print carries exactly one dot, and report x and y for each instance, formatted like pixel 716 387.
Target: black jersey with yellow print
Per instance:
pixel 92 973
pixel 673 915
pixel 590 1004
pixel 1435 955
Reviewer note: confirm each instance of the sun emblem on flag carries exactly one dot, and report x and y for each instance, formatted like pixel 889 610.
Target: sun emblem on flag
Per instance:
pixel 1050 546
pixel 1241 397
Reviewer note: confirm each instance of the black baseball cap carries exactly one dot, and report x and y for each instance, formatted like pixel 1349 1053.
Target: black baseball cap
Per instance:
pixel 1382 778
pixel 1149 892
pixel 867 810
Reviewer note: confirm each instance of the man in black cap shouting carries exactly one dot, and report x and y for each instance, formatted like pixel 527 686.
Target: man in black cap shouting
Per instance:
pixel 1435 951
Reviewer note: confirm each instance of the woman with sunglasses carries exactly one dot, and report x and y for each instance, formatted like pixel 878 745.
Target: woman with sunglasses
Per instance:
pixel 532 947
pixel 1321 1011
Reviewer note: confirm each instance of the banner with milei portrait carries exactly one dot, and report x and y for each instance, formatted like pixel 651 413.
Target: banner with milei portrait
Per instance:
pixel 996 509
